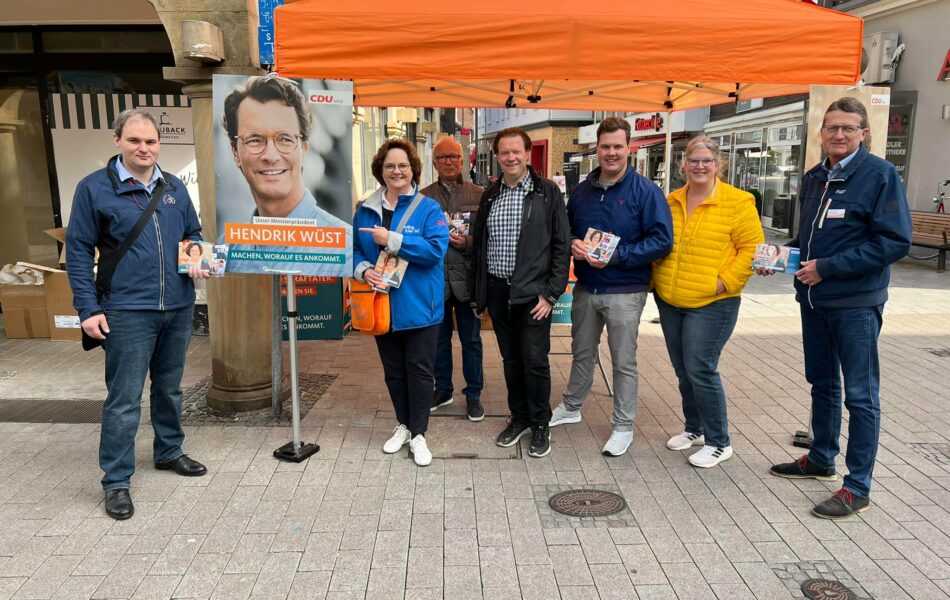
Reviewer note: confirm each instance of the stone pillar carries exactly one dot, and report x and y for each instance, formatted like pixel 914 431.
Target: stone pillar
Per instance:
pixel 239 306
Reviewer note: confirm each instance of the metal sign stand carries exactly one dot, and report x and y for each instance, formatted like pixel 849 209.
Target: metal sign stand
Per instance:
pixel 294 451
pixel 803 439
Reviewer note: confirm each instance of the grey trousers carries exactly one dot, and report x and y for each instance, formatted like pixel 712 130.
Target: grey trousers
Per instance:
pixel 621 314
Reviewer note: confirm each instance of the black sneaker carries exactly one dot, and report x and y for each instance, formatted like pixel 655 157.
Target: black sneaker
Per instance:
pixel 475 410
pixel 440 399
pixel 514 432
pixel 842 504
pixel 803 469
pixel 540 441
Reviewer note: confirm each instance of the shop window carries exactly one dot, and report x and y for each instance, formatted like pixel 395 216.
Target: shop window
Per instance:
pixel 25 201
pixel 151 42
pixel 779 184
pixel 16 42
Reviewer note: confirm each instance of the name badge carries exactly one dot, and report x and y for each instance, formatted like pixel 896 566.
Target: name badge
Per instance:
pixel 836 213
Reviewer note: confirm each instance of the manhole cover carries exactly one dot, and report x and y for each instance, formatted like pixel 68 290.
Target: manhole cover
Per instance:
pixel 587 503
pixel 826 589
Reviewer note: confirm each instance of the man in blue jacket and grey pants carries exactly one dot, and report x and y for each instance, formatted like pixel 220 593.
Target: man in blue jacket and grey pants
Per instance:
pixel 854 224
pixel 145 315
pixel 616 199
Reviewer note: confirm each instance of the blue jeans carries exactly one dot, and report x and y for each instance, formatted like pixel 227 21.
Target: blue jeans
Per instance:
pixel 843 341
pixel 141 342
pixel 695 338
pixel 470 335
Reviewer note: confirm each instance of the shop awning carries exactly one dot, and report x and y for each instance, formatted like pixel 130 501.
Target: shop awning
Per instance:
pixel 646 142
pixel 628 55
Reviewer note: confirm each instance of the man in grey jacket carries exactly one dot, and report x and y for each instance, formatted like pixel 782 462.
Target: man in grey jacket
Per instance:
pixel 458 199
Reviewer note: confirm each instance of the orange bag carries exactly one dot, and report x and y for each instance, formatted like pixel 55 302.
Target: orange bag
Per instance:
pixel 370 309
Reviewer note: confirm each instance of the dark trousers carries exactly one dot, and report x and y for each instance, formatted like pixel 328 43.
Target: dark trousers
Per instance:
pixel 470 335
pixel 842 342
pixel 524 344
pixel 407 358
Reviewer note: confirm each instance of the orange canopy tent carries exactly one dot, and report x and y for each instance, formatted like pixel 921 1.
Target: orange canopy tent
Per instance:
pixel 630 55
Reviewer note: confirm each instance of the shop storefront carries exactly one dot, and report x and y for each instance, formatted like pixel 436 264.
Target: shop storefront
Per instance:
pixel 763 152
pixel 648 143
pixel 58 87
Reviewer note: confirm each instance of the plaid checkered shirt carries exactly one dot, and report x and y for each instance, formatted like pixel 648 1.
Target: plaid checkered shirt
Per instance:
pixel 504 226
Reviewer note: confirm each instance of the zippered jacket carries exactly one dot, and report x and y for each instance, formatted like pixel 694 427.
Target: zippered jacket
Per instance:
pixel 543 256
pixel 458 263
pixel 418 301
pixel 716 242
pixel 103 213
pixel 633 208
pixel 855 225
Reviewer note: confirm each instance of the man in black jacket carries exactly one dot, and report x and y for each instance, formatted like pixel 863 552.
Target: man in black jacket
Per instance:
pixel 522 248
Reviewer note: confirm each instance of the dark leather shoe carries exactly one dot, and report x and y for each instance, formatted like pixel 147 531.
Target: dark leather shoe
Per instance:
pixel 183 466
pixel 119 504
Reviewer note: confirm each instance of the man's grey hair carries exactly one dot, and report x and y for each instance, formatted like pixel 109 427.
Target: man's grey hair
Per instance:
pixel 134 113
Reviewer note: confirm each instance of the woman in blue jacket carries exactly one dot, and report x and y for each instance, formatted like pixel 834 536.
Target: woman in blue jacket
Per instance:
pixel 408 350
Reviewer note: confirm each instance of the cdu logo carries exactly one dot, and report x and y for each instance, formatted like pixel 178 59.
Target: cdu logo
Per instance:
pixel 168 199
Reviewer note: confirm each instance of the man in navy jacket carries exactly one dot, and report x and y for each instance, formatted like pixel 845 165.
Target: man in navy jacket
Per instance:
pixel 145 317
pixel 854 224
pixel 616 199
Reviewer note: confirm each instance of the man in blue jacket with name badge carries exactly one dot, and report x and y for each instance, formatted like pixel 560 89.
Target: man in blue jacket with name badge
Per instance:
pixel 854 224
pixel 616 199
pixel 143 316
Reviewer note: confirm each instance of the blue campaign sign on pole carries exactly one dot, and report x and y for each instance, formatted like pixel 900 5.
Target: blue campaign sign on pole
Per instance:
pixel 265 29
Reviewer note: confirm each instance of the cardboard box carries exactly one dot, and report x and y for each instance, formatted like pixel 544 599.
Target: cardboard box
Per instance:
pixel 62 320
pixel 59 234
pixel 24 311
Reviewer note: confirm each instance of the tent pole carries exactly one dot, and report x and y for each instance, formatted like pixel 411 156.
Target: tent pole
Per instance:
pixel 667 156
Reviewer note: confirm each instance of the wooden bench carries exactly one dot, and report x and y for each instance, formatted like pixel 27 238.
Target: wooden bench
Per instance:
pixel 930 230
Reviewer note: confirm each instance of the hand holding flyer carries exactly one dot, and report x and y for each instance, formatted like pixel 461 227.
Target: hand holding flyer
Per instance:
pixel 600 244
pixel 780 259
pixel 391 268
pixel 205 255
pixel 459 222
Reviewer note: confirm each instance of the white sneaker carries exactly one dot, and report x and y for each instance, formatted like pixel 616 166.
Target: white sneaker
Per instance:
pixel 710 456
pixel 399 439
pixel 563 416
pixel 420 451
pixel 685 440
pixel 618 443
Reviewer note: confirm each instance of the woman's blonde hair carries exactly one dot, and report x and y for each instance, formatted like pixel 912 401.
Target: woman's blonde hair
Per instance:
pixel 704 141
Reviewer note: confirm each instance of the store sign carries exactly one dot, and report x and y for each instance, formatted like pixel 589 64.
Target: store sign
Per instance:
pixel 899 127
pixel 174 125
pixel 654 123
pixel 944 73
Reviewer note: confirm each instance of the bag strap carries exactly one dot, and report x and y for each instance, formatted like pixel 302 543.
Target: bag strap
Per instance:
pixel 104 276
pixel 416 200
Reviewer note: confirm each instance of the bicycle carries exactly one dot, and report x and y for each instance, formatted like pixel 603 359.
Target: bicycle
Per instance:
pixel 941 196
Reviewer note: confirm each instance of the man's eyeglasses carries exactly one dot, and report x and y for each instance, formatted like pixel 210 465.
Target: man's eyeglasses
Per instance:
pixel 847 129
pixel 391 168
pixel 695 162
pixel 448 158
pixel 256 144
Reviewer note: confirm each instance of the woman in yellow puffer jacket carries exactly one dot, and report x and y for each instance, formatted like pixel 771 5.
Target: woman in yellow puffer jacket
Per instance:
pixel 697 286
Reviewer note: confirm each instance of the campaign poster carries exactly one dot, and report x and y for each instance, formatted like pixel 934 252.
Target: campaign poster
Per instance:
pixel 561 313
pixel 283 173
